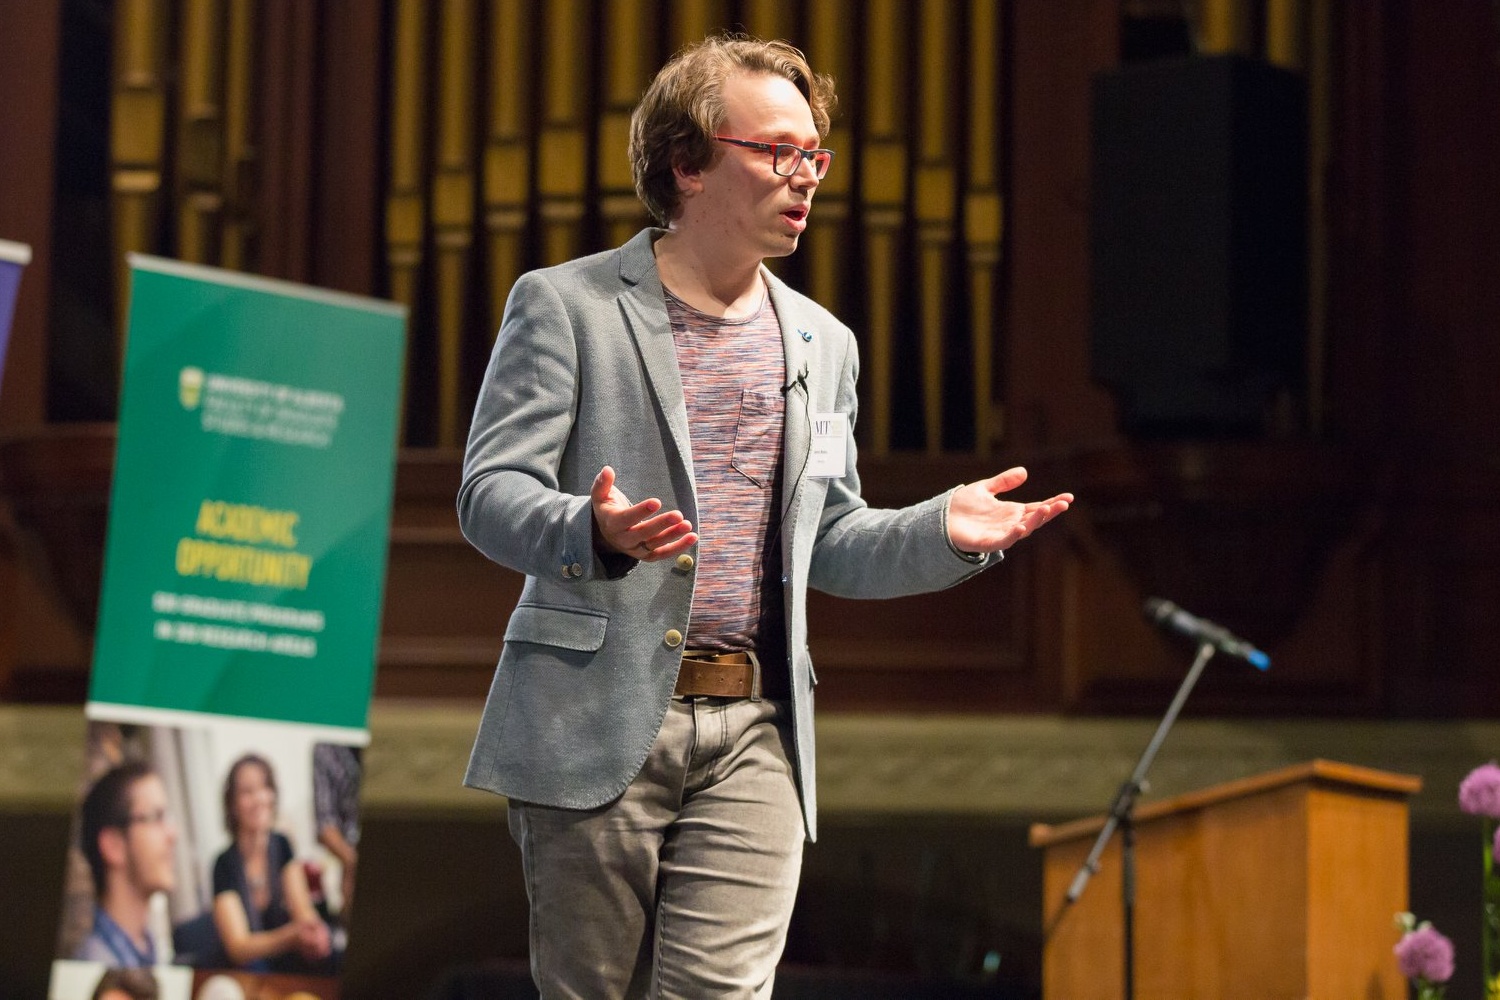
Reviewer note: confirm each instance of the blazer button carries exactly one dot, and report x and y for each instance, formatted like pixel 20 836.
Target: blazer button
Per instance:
pixel 684 562
pixel 576 569
pixel 673 638
pixel 565 571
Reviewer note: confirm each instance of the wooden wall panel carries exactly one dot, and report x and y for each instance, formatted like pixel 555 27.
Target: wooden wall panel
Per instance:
pixel 286 103
pixel 563 150
pixel 1362 273
pixel 453 187
pixel 1441 419
pixel 349 150
pixel 629 62
pixel 692 20
pixel 508 160
pixel 936 205
pixel 883 180
pixel 138 128
pixel 28 115
pixel 1050 396
pixel 199 164
pixel 238 230
pixel 953 235
pixel 33 622
pixel 984 215
pixel 1279 543
pixel 832 49
pixel 405 204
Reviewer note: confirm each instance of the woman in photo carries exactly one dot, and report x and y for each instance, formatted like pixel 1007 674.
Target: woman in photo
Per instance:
pixel 262 907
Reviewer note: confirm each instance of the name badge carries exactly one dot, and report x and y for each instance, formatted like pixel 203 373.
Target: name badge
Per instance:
pixel 830 446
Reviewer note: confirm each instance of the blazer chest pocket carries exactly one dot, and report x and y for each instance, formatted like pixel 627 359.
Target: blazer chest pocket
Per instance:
pixel 757 435
pixel 566 628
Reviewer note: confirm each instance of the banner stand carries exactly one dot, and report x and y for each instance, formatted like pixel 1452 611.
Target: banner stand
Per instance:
pixel 215 844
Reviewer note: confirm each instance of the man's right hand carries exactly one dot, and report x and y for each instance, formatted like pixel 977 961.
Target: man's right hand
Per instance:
pixel 637 530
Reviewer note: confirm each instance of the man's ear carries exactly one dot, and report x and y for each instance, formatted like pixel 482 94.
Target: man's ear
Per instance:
pixel 112 847
pixel 689 182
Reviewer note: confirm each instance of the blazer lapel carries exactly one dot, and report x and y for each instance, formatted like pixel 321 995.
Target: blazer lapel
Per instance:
pixel 796 333
pixel 643 304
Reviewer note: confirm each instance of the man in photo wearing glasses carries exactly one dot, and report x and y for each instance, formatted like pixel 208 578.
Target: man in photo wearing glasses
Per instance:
pixel 663 444
pixel 130 842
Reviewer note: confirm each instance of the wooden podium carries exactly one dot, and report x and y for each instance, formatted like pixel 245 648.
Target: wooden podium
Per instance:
pixel 1282 886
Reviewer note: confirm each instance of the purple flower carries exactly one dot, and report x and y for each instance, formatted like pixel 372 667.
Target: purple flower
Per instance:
pixel 1479 793
pixel 1425 954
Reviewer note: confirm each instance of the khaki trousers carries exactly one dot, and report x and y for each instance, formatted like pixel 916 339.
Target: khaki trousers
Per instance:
pixel 681 889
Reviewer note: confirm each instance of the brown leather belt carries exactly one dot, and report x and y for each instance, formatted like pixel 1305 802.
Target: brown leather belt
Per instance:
pixel 724 675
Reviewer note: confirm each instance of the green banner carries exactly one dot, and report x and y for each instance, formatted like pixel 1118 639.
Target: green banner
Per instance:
pixel 250 516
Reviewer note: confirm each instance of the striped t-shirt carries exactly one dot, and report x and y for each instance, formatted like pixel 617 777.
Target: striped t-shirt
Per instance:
pixel 732 373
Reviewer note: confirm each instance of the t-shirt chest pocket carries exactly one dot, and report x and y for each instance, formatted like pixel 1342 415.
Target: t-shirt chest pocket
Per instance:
pixel 757 435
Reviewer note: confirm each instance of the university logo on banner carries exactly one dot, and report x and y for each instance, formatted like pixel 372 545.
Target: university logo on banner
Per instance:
pixel 216 840
pixel 13 257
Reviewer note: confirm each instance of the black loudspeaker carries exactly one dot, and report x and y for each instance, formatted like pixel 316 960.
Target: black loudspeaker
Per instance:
pixel 1198 243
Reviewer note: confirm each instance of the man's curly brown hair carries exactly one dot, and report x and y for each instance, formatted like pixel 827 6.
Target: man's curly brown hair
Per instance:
pixel 675 122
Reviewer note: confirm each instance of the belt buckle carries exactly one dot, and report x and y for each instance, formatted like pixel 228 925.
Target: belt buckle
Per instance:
pixel 710 659
pixel 754 675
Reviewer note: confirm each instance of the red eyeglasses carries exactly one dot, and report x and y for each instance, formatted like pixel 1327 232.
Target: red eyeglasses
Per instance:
pixel 786 158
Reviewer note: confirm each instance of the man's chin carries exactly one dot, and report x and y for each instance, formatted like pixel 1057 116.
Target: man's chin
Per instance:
pixel 786 246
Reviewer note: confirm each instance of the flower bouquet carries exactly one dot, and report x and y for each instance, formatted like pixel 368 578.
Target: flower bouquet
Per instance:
pixel 1479 795
pixel 1425 957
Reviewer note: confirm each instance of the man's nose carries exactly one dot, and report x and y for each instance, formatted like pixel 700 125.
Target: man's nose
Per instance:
pixel 806 174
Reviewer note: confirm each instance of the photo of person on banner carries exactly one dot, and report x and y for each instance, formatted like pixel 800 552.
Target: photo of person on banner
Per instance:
pixel 129 839
pixel 262 907
pixel 126 984
pixel 187 855
pixel 337 770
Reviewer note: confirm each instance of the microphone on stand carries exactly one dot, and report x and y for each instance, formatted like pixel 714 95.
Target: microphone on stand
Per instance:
pixel 1170 618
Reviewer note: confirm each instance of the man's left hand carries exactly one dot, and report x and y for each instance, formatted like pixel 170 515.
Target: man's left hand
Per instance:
pixel 979 521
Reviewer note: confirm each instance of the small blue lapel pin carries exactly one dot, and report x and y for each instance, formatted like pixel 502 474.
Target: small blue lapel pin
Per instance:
pixel 806 335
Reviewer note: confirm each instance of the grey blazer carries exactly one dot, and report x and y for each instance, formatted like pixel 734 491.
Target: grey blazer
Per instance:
pixel 583 375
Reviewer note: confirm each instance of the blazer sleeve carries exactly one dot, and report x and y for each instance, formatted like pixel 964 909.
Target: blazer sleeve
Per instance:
pixel 862 551
pixel 509 503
